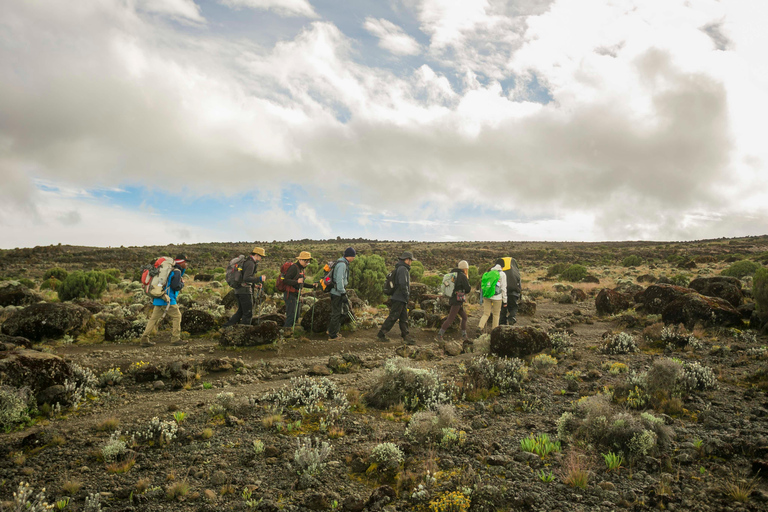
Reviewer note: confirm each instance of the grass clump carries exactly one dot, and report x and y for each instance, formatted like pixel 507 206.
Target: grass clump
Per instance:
pixel 177 490
pixel 540 445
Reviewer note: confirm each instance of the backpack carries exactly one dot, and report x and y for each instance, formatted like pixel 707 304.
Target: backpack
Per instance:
pixel 448 284
pixel 154 278
pixel 489 283
pixel 280 284
pixel 327 283
pixel 389 282
pixel 234 275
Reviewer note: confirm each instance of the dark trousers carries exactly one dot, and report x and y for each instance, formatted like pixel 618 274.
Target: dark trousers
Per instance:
pixel 244 311
pixel 455 310
pixel 291 302
pixel 335 324
pixel 508 315
pixel 398 311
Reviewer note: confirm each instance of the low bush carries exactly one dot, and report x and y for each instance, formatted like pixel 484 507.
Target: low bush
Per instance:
pixel 574 273
pixel 621 343
pixel 503 373
pixel 760 290
pixel 309 458
pixel 311 393
pixel 632 261
pixel 15 406
pixel 387 456
pixel 50 284
pixel 741 269
pixel 366 277
pixel 417 270
pixel 416 388
pixel 556 269
pixel 428 426
pixel 83 285
pixel 56 272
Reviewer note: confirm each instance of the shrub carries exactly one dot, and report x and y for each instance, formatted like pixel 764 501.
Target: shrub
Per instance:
pixel 741 269
pixel 161 432
pixel 25 500
pixel 621 343
pixel 574 273
pixel 416 388
pixel 678 337
pixel 556 269
pixel 83 285
pixel 428 426
pixel 540 445
pixel 679 280
pixel 432 281
pixel 543 362
pixel 313 394
pixel 760 290
pixel 452 437
pixel 14 406
pixel 695 377
pixel 311 459
pixel 453 501
pixel 56 272
pixel 387 456
pixel 505 374
pixel 366 277
pixel 50 284
pixel 632 261
pixel 417 270
pixel 111 377
pixel 561 342
pixel 662 376
pixel 474 275
pixel 113 275
pixel 114 448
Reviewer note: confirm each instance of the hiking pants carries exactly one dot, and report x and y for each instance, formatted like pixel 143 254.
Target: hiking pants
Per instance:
pixel 509 314
pixel 291 303
pixel 335 323
pixel 157 314
pixel 244 311
pixel 490 306
pixel 455 310
pixel 397 311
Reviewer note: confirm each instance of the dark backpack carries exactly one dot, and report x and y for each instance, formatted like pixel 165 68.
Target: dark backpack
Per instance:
pixel 234 275
pixel 389 282
pixel 280 284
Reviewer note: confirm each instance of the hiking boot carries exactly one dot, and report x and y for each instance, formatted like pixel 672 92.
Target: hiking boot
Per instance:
pixel 408 340
pixel 147 343
pixel 440 338
pixel 382 337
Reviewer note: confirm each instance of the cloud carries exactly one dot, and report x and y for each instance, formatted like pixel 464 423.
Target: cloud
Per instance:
pixel 183 10
pixel 391 37
pixel 281 7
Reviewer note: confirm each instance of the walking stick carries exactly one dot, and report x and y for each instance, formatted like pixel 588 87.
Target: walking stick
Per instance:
pixel 258 294
pixel 298 307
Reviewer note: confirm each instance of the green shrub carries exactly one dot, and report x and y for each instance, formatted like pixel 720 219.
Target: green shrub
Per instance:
pixel 83 285
pixel 14 407
pixel 415 388
pixel 50 284
pixel 113 275
pixel 574 273
pixel 760 290
pixel 433 281
pixel 474 275
pixel 366 277
pixel 556 269
pixel 58 273
pixel 680 280
pixel 632 261
pixel 270 286
pixel 741 269
pixel 27 282
pixel 417 270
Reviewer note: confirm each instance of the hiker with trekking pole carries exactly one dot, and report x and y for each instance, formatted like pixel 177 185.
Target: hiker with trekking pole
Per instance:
pixel 244 283
pixel 293 282
pixel 338 289
pixel 172 281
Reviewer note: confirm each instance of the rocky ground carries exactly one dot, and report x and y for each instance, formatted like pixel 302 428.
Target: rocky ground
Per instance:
pixel 701 409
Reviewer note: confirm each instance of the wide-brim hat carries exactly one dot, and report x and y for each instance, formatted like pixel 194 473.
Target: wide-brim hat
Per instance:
pixel 304 255
pixel 259 251
pixel 407 255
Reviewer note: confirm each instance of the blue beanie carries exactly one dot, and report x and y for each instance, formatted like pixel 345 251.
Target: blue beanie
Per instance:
pixel 349 251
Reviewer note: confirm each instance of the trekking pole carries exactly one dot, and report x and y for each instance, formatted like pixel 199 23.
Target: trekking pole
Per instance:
pixel 314 303
pixel 259 292
pixel 298 306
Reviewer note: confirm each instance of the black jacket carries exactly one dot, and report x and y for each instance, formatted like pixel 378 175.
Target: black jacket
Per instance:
pixel 402 282
pixel 292 276
pixel 249 277
pixel 461 285
pixel 514 283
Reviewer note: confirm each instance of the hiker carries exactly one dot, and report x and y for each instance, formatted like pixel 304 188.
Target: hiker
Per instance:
pixel 169 307
pixel 244 293
pixel 514 289
pixel 294 281
pixel 398 304
pixel 339 292
pixel 494 303
pixel 460 290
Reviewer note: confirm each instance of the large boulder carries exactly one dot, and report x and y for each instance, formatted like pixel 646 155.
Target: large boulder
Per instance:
pixel 435 304
pixel 13 342
pixel 91 305
pixel 195 321
pixel 418 291
pixel 13 293
pixel 693 308
pixel 610 302
pixel 656 297
pixel 275 317
pixel 318 317
pixel 229 300
pixel 36 370
pixel 578 295
pixel 510 341
pixel 116 329
pixel 47 320
pixel 250 335
pixel 726 288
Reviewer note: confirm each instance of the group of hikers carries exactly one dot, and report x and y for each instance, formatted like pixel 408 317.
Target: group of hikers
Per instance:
pixel 500 289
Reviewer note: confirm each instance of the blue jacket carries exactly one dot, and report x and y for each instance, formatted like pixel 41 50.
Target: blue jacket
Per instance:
pixel 340 277
pixel 175 284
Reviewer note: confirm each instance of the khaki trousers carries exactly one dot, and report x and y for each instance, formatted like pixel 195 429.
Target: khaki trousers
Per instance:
pixel 173 313
pixel 490 306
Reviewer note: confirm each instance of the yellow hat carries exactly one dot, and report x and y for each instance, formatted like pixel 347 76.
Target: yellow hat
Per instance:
pixel 259 251
pixel 305 255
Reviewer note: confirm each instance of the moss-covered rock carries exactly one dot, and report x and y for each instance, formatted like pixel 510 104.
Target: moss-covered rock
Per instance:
pixel 510 341
pixel 13 293
pixel 47 320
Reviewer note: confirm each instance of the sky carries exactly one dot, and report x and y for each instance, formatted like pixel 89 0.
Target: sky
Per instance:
pixel 148 122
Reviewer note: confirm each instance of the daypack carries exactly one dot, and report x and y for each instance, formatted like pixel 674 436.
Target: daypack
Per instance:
pixel 489 283
pixel 234 274
pixel 448 284
pixel 327 283
pixel 154 278
pixel 389 282
pixel 280 284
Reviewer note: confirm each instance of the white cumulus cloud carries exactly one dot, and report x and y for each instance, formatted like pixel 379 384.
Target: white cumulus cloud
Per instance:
pixel 391 37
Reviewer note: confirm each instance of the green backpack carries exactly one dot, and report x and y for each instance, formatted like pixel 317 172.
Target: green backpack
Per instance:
pixel 488 283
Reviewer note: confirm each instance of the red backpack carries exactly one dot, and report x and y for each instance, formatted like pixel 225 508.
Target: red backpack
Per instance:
pixel 280 284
